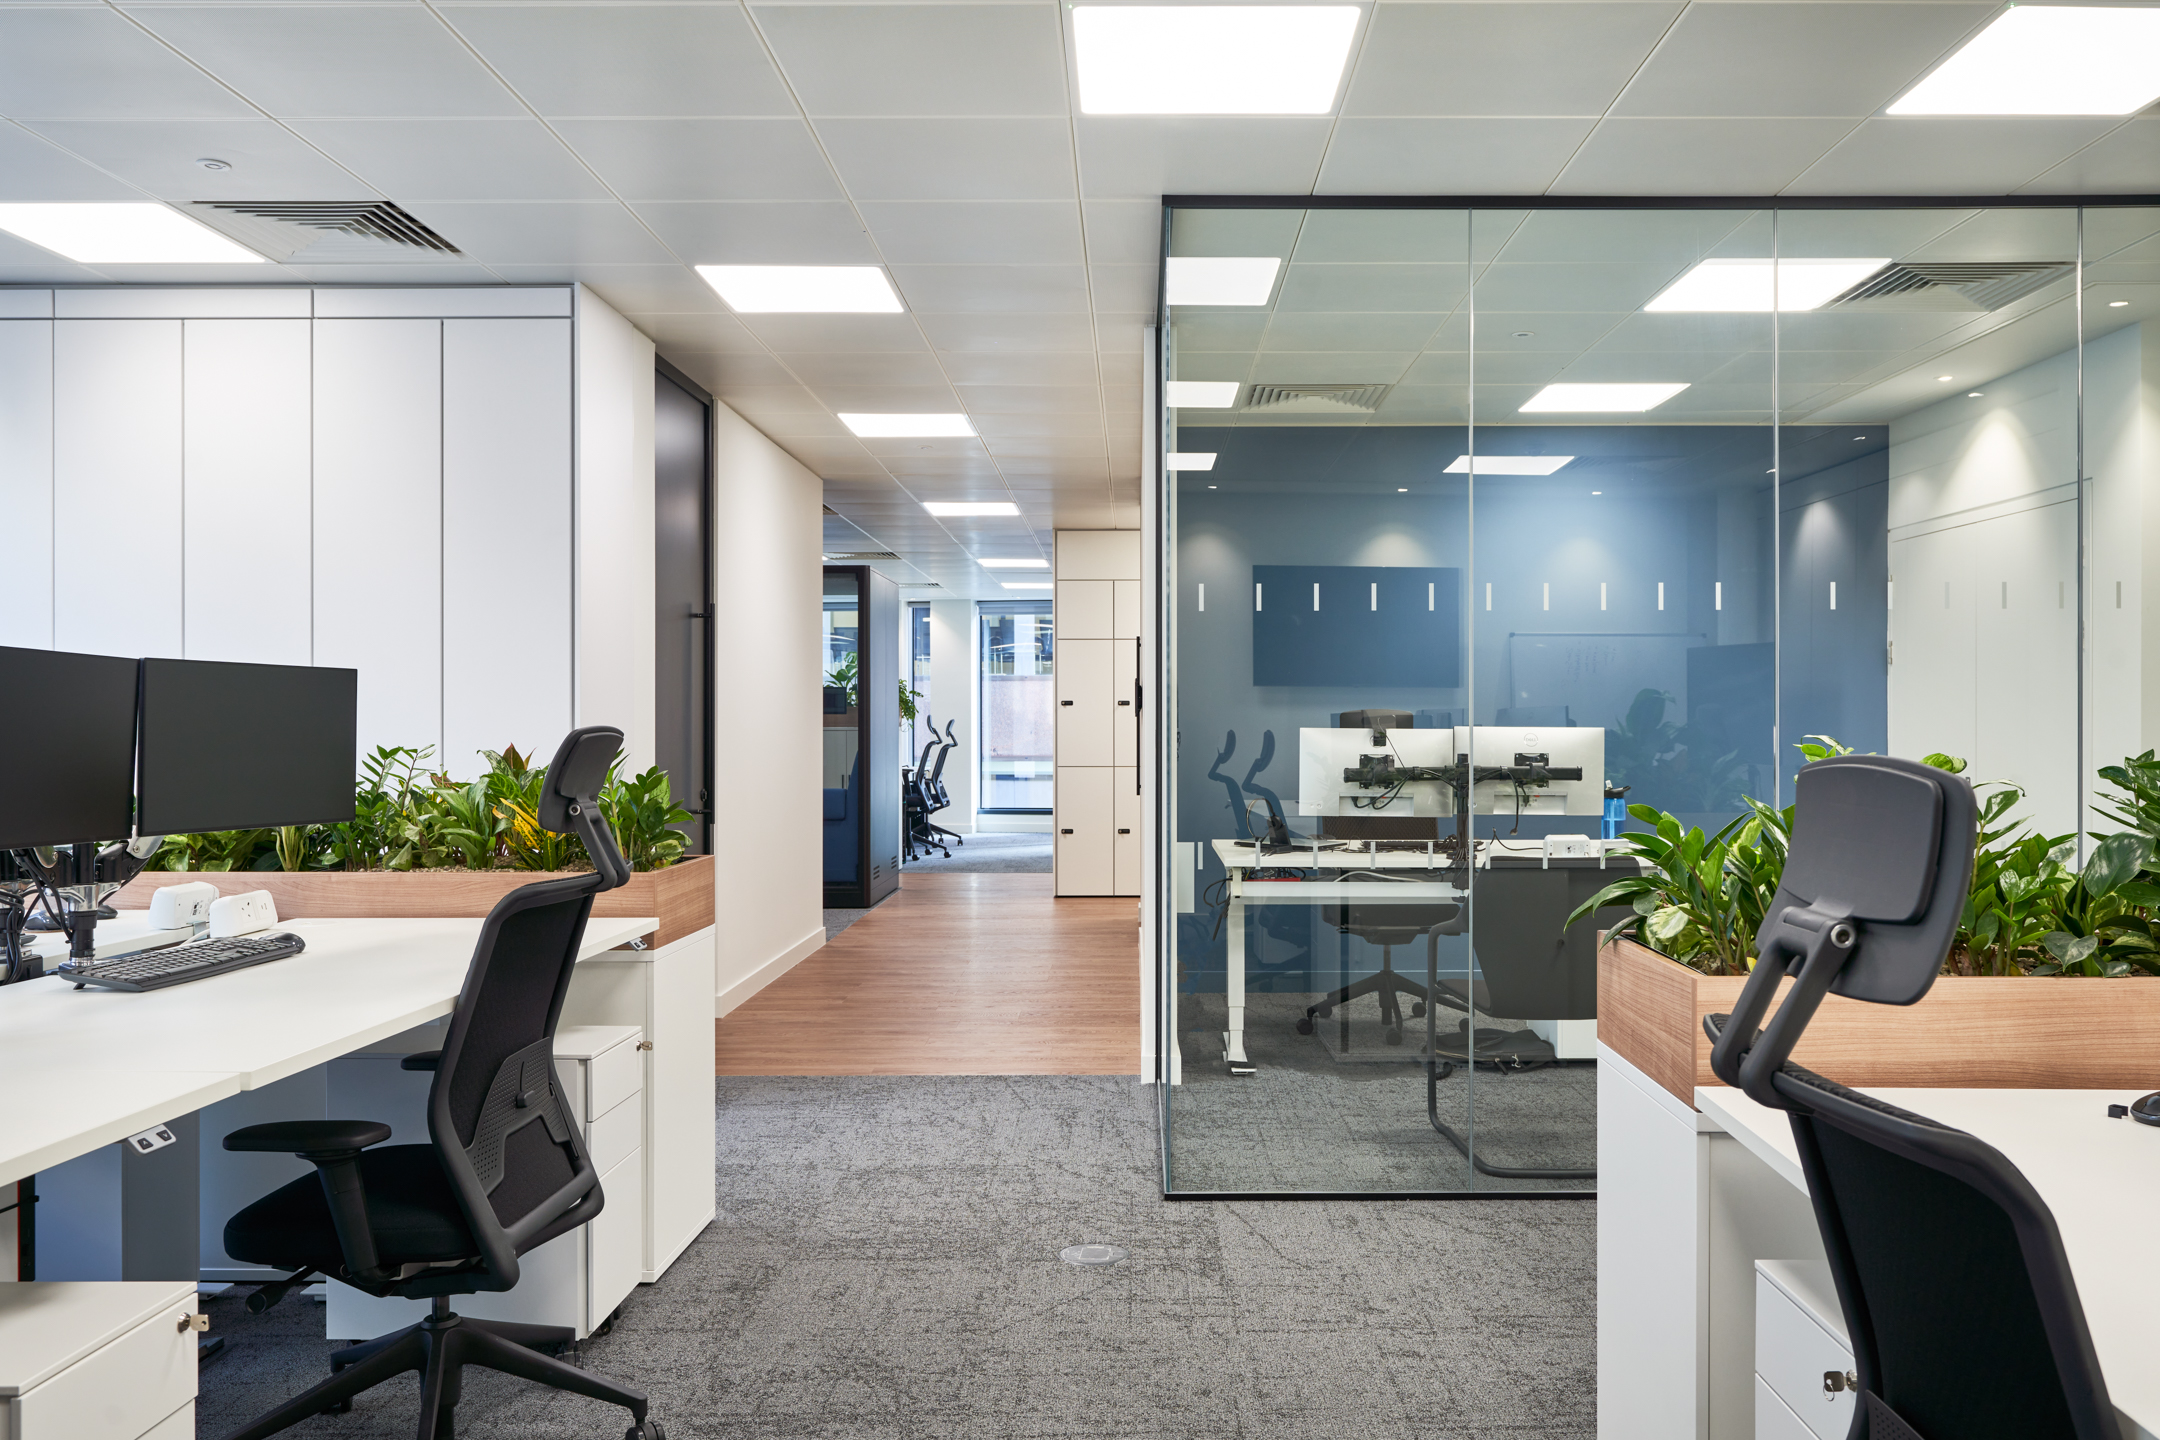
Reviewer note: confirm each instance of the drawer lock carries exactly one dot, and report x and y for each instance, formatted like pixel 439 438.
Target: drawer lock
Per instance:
pixel 1834 1381
pixel 197 1323
pixel 644 1044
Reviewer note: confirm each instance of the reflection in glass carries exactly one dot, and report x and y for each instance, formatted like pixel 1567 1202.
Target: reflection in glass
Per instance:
pixel 1019 718
pixel 842 664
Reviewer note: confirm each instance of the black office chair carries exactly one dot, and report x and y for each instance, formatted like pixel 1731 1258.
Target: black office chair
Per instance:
pixel 1386 926
pixel 505 1170
pixel 1964 1318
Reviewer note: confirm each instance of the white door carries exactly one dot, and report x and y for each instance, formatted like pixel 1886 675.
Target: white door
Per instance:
pixel 1084 822
pixel 1084 731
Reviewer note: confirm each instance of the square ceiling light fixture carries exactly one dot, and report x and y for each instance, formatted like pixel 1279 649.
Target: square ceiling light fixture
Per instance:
pixel 130 234
pixel 1219 279
pixel 971 507
pixel 1211 59
pixel 1749 285
pixel 2048 60
pixel 1029 585
pixel 1190 460
pixel 1509 464
pixel 1015 564
pixel 907 427
pixel 1200 394
pixel 803 289
pixel 1585 398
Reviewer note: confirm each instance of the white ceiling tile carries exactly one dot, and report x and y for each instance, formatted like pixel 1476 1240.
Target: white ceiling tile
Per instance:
pixel 2004 234
pixel 1586 285
pixel 1125 287
pixel 941 445
pixel 1387 287
pixel 1349 332
pixel 1026 232
pixel 776 232
pixel 407 273
pixel 871 398
pixel 518 233
pixel 738 372
pixel 627 59
pixel 1426 237
pixel 784 400
pixel 659 289
pixel 1448 157
pixel 1049 447
pixel 1217 330
pixel 887 368
pixel 2125 162
pixel 1026 399
pixel 992 289
pixel 1669 237
pixel 22 263
pixel 836 332
pixel 911 159
pixel 1144 157
pixel 1948 155
pixel 1124 231
pixel 160 156
pixel 32 168
pixel 1045 368
pixel 92 63
pixel 997 429
pixel 335 60
pixel 1726 156
pixel 462 159
pixel 689 331
pixel 1007 334
pixel 673 158
pixel 1804 59
pixel 920 59
pixel 945 467
pixel 1062 472
pixel 1560 59
pixel 1206 230
pixel 1321 368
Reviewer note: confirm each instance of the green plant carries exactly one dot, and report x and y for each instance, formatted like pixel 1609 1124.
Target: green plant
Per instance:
pixel 217 850
pixel 907 703
pixel 844 675
pixel 642 813
pixel 1700 898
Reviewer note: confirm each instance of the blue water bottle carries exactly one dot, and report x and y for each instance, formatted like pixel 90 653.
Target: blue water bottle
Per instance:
pixel 1615 811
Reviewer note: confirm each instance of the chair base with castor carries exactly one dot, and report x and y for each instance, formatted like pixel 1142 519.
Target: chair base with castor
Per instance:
pixel 440 1347
pixel 1386 926
pixel 1388 984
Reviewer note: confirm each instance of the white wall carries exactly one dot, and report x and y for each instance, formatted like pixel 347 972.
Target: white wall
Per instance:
pixel 954 694
pixel 616 625
pixel 768 730
pixel 1983 516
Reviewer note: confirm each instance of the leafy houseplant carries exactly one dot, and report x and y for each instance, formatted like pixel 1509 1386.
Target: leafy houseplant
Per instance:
pixel 406 817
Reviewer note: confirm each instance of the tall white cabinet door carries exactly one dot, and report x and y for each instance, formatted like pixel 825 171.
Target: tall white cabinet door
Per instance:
pixel 1083 850
pixel 26 482
pixel 116 486
pixel 1126 819
pixel 378 522
pixel 247 464
pixel 506 513
pixel 1118 702
pixel 1083 702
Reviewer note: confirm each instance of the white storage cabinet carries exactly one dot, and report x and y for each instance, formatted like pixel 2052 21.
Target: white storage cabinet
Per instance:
pixel 97 1360
pixel 1799 1345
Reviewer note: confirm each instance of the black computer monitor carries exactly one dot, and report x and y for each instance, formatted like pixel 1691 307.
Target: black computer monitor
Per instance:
pixel 238 747
pixel 67 747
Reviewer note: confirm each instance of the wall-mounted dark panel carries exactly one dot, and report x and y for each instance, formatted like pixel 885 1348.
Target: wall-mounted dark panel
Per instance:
pixel 1357 625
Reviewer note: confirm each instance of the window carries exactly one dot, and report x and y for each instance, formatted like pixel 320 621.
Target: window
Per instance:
pixel 1019 725
pixel 919 733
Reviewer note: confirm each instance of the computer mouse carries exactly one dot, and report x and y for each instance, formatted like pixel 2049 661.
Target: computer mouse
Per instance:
pixel 2146 1109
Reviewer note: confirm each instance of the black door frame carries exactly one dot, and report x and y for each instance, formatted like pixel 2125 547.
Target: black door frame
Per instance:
pixel 708 611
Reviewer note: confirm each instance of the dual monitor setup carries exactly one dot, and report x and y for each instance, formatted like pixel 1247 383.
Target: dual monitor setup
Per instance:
pixel 107 755
pixel 1400 772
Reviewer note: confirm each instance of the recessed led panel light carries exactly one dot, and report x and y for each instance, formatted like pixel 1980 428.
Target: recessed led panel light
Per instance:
pixel 1587 397
pixel 123 235
pixel 1745 285
pixel 971 507
pixel 907 427
pixel 1211 59
pixel 2048 60
pixel 2117 304
pixel 1191 460
pixel 1200 394
pixel 1220 279
pixel 1509 464
pixel 803 289
pixel 1029 585
pixel 1015 564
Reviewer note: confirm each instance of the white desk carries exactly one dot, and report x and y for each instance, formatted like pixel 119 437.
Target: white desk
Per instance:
pixel 2097 1175
pixel 130 932
pixel 103 1064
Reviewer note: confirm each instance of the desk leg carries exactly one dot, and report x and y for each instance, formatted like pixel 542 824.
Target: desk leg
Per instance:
pixel 1234 993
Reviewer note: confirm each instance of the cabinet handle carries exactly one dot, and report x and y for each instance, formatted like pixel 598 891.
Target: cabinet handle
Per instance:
pixel 1123 831
pixel 1123 703
pixel 1065 832
pixel 1064 702
pixel 644 1044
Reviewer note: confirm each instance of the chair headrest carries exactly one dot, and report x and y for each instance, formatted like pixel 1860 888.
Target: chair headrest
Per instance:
pixel 570 797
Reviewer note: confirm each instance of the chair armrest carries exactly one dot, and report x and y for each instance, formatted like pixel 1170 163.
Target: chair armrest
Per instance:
pixel 421 1060
pixel 309 1138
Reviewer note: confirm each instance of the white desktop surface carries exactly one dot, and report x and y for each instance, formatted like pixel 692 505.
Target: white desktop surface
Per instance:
pixel 99 1065
pixel 2097 1175
pixel 129 932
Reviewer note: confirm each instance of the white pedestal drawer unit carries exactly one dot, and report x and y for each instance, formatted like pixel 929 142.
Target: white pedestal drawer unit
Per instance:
pixel 97 1360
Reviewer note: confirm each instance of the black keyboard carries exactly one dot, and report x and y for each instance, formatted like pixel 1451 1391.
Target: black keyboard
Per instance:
pixel 196 960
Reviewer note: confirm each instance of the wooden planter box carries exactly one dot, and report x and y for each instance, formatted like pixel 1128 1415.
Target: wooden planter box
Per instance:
pixel 681 895
pixel 1969 1031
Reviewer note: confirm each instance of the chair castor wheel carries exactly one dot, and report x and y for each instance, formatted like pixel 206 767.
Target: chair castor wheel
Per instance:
pixel 1417 1011
pixel 1393 1035
pixel 1305 1025
pixel 339 1407
pixel 649 1430
pixel 1323 1011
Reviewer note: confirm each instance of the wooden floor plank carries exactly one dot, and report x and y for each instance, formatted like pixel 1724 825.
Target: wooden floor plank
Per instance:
pixel 957 974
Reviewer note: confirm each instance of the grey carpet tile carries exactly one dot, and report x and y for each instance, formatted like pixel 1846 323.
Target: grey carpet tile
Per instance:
pixel 838 920
pixel 986 853
pixel 884 1267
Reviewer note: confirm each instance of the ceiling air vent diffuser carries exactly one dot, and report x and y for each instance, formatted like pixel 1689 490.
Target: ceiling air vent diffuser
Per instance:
pixel 1951 285
pixel 1316 399
pixel 863 555
pixel 324 231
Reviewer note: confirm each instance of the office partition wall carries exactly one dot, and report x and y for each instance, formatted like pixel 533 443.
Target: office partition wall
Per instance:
pixel 1546 506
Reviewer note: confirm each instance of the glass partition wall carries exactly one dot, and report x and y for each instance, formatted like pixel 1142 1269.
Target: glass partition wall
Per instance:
pixel 1484 526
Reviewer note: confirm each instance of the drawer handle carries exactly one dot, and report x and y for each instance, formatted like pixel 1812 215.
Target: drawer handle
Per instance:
pixel 1064 832
pixel 197 1323
pixel 1123 831
pixel 1122 703
pixel 1835 1380
pixel 1064 702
